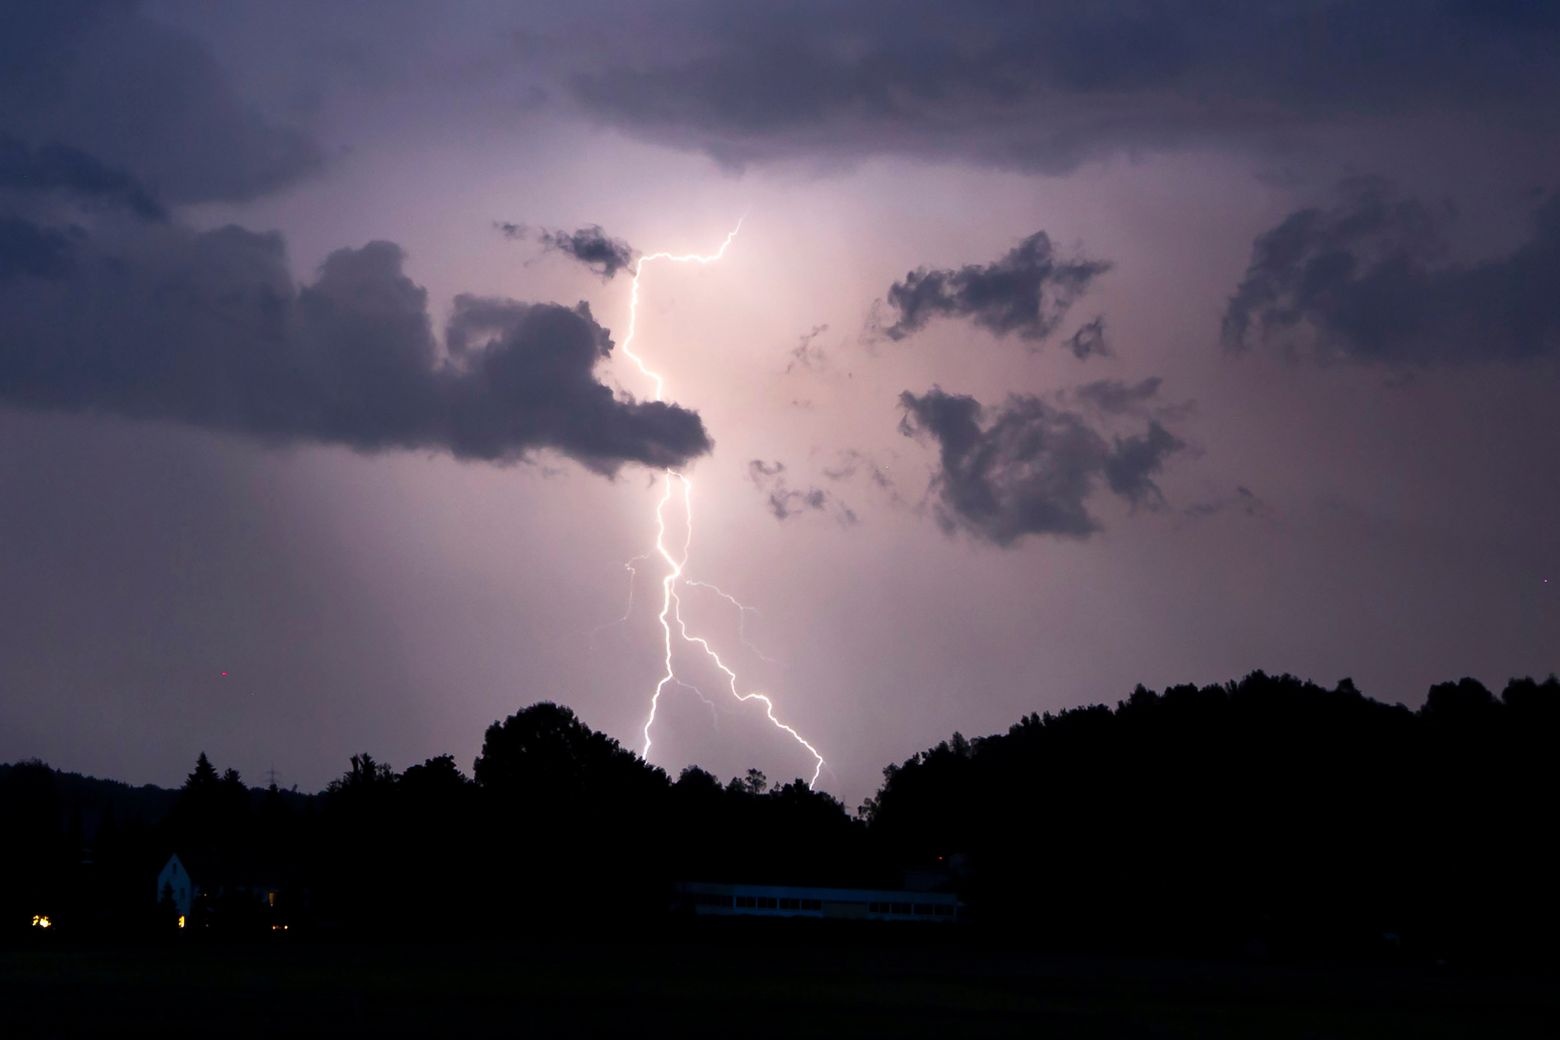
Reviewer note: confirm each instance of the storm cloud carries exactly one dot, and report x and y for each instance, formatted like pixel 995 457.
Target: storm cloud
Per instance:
pixel 97 86
pixel 1365 281
pixel 1089 340
pixel 29 250
pixel 60 169
pixel 1029 468
pixel 1027 292
pixel 208 329
pixel 1048 86
pixel 592 247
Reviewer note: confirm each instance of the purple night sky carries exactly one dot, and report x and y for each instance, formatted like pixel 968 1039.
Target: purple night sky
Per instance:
pixel 1063 347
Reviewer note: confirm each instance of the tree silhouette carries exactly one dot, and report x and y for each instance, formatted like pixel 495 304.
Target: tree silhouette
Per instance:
pixel 753 783
pixel 566 802
pixel 1268 813
pixel 203 777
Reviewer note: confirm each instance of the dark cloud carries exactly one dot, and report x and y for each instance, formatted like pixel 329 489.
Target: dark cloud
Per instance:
pixel 99 88
pixel 1047 86
pixel 1133 461
pixel 1029 468
pixel 61 169
pixel 208 329
pixel 1365 281
pixel 1089 340
pixel 1027 292
pixel 785 501
pixel 591 247
pixel 30 251
pixel 511 230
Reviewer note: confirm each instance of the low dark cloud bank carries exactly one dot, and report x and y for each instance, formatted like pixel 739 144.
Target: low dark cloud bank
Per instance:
pixel 208 329
pixel 61 169
pixel 1047 86
pixel 1028 467
pixel 1026 293
pixel 109 305
pixel 29 250
pixel 1366 281
pixel 117 103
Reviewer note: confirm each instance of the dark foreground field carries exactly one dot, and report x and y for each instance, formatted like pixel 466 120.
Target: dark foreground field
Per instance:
pixel 734 983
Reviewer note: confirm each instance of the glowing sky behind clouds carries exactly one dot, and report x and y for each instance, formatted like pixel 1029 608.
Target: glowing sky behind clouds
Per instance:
pixel 1331 512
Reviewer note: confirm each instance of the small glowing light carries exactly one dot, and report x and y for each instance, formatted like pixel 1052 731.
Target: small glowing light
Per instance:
pixel 181 920
pixel 224 675
pixel 42 921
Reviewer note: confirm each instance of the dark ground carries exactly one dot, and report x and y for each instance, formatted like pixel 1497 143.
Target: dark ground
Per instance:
pixel 740 982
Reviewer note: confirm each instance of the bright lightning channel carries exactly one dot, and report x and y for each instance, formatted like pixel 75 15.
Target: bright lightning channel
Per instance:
pixel 671 604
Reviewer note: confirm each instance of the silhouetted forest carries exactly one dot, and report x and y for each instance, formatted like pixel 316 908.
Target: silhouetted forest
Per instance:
pixel 1268 816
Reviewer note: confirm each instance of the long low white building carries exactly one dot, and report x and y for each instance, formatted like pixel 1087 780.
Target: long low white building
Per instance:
pixel 709 899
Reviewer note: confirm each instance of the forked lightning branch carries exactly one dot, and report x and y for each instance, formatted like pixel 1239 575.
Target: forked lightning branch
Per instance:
pixel 673 482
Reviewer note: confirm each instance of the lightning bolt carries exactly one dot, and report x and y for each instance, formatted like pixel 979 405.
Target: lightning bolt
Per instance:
pixel 743 610
pixel 628 609
pixel 671 603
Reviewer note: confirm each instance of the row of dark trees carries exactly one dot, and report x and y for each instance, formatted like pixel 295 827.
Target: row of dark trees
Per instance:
pixel 1268 813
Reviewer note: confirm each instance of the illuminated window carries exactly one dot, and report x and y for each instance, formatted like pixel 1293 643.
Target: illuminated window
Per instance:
pixel 181 920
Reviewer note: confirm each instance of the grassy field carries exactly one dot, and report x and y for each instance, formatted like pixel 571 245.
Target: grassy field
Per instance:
pixel 738 983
